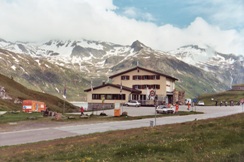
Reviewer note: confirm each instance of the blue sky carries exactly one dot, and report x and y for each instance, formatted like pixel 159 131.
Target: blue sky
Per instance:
pixel 181 13
pixel 160 24
pixel 161 12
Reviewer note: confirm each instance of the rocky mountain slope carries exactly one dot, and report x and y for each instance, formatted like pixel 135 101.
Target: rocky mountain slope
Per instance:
pixel 228 68
pixel 49 66
pixel 12 94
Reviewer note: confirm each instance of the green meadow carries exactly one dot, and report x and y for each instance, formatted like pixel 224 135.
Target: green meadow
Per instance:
pixel 220 139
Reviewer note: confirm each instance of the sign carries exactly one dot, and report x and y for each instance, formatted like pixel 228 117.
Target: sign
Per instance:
pixel 195 100
pixel 152 93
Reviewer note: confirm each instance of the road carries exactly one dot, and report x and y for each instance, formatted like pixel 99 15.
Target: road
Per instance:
pixel 50 133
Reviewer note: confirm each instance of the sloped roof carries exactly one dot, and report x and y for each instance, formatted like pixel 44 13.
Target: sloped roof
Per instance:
pixel 138 67
pixel 115 86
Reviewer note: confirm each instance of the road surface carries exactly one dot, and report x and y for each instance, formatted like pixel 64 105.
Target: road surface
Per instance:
pixel 50 133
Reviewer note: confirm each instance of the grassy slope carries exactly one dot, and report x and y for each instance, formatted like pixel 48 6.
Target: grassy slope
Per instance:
pixel 223 96
pixel 207 140
pixel 16 90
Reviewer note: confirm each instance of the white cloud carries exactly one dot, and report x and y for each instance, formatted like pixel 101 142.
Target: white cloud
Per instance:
pixel 227 14
pixel 136 13
pixel 39 20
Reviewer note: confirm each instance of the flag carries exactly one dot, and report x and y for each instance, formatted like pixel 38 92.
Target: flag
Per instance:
pixel 148 94
pixel 64 95
pixel 91 86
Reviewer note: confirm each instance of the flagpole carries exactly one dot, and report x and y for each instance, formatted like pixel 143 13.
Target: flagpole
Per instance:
pixel 91 86
pixel 121 93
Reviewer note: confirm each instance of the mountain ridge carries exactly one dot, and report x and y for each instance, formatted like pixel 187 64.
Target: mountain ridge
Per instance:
pixel 84 61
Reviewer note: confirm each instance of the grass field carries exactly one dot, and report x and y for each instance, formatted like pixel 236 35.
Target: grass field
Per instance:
pixel 18 116
pixel 14 116
pixel 205 140
pixel 210 99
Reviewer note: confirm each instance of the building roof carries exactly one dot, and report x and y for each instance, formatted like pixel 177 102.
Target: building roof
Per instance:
pixel 115 86
pixel 138 67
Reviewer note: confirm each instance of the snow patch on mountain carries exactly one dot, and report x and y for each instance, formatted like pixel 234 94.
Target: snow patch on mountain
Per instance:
pixel 13 67
pixel 193 54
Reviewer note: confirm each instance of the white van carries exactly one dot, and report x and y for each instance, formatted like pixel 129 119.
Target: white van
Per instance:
pixel 187 100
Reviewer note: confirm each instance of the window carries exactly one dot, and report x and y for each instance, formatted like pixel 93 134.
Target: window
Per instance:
pixel 135 87
pixel 157 86
pixel 108 96
pixel 145 77
pixel 125 77
pixel 96 96
pixel 137 77
pixel 144 87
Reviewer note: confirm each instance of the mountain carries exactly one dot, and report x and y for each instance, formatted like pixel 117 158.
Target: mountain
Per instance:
pixel 228 68
pixel 48 66
pixel 39 74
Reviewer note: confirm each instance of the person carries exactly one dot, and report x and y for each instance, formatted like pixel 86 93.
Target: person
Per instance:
pixel 176 107
pixel 188 105
pixel 81 110
pixel 46 112
pixel 216 103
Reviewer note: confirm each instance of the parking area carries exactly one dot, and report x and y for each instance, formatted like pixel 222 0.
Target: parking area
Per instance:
pixel 132 111
pixel 143 111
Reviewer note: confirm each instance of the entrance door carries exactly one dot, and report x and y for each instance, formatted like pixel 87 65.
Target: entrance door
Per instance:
pixel 170 99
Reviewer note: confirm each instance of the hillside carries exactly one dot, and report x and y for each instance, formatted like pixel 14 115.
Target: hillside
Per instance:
pixel 37 73
pixel 210 99
pixel 13 93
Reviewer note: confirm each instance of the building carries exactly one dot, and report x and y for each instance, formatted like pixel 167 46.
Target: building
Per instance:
pixel 137 83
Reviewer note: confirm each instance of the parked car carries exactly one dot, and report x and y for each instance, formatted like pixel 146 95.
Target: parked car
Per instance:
pixel 165 109
pixel 200 103
pixel 133 103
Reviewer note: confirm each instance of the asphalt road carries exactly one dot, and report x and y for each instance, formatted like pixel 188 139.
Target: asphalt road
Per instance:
pixel 43 134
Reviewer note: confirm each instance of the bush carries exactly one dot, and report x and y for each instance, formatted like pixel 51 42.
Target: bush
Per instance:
pixel 103 114
pixel 124 113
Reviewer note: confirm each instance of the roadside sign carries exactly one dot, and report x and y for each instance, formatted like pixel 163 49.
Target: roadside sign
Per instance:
pixel 195 100
pixel 152 93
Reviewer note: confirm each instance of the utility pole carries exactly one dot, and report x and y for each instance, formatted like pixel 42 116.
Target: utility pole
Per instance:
pixel 155 103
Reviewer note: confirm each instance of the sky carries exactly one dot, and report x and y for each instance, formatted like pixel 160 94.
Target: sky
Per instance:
pixel 160 24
